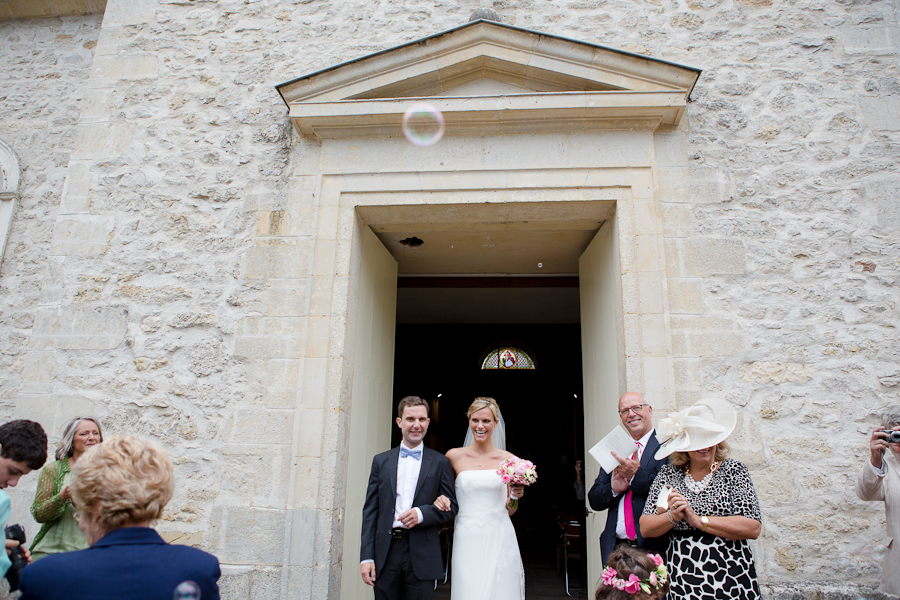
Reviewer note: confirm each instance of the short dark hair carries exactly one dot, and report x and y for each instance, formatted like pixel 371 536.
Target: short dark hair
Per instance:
pixel 413 401
pixel 24 441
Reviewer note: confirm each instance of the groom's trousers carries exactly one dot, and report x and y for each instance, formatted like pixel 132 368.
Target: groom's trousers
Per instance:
pixel 397 580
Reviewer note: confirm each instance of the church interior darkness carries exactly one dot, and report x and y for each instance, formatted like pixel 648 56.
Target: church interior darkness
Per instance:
pixel 542 408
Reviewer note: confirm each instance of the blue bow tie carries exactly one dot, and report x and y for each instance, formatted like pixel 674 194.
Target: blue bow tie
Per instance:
pixel 416 454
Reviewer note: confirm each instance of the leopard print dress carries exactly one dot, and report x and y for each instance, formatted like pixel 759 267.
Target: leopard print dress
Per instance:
pixel 704 566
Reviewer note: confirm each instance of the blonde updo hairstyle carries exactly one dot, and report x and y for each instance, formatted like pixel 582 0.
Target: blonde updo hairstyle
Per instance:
pixel 484 402
pixel 123 481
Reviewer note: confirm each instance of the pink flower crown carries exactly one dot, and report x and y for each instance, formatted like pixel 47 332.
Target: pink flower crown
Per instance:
pixel 656 579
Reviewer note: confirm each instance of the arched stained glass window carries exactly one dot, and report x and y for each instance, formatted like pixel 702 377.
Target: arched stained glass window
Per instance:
pixel 507 358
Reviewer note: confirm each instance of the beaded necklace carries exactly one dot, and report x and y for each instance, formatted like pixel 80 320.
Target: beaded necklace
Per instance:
pixel 698 486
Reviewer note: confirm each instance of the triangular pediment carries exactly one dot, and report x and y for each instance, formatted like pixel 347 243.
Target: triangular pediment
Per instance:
pixel 492 77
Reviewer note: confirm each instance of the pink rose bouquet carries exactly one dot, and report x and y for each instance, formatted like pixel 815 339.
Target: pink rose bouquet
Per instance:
pixel 517 471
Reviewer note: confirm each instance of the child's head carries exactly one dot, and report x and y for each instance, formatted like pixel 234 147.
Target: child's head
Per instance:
pixel 632 574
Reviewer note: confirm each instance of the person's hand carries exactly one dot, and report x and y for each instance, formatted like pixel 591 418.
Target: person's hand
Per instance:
pixel 579 470
pixel 66 493
pixel 367 572
pixel 409 518
pixel 626 466
pixel 442 503
pixel 677 506
pixel 877 445
pixel 10 544
pixel 516 491
pixel 619 482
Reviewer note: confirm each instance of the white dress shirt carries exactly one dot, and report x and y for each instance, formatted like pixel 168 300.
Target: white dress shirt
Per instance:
pixel 620 522
pixel 407 476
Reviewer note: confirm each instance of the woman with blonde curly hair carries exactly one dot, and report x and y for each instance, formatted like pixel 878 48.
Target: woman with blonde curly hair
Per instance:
pixel 52 506
pixel 119 488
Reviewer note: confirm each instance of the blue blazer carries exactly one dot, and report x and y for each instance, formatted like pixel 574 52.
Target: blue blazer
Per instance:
pixel 131 563
pixel 601 498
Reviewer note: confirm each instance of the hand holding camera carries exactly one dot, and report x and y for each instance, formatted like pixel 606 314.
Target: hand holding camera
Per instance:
pixel 17 555
pixel 881 440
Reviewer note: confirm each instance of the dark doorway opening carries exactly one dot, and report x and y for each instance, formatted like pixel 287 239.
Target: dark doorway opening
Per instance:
pixel 544 414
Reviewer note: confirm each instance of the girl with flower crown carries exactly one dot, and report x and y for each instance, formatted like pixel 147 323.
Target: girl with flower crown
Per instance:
pixel 632 574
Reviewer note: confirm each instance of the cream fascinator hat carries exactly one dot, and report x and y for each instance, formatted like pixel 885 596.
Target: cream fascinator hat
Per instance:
pixel 706 423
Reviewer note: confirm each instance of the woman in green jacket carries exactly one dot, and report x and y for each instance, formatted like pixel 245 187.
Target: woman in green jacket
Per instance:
pixel 53 501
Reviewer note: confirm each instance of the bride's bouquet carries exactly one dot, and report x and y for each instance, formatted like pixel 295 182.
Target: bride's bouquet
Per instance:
pixel 517 471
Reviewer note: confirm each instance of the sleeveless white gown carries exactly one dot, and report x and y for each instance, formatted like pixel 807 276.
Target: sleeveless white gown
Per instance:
pixel 486 560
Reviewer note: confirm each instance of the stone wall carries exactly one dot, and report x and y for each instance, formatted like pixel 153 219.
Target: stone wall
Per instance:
pixel 159 272
pixel 42 89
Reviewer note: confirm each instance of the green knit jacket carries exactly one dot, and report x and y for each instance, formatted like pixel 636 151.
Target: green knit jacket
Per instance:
pixel 48 506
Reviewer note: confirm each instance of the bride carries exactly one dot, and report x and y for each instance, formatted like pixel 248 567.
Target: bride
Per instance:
pixel 486 560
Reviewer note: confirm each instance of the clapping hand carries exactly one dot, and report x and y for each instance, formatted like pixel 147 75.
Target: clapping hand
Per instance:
pixel 680 510
pixel 66 493
pixel 626 466
pixel 619 482
pixel 442 503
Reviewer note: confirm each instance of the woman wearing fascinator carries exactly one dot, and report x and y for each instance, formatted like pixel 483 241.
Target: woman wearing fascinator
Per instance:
pixel 708 506
pixel 486 560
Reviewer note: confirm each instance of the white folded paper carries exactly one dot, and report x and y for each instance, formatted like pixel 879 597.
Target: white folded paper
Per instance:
pixel 663 500
pixel 619 440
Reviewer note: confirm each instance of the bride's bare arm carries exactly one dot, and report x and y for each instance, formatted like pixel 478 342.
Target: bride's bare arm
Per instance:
pixel 442 502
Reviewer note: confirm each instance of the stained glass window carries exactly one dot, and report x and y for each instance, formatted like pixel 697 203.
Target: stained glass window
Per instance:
pixel 507 358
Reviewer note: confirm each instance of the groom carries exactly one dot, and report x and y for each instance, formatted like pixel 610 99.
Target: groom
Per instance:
pixel 400 551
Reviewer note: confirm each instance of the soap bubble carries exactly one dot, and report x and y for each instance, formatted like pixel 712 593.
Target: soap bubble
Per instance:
pixel 878 552
pixel 187 590
pixel 423 124
pixel 99 72
pixel 830 424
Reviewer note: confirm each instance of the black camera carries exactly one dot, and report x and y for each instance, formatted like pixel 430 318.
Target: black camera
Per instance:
pixel 893 437
pixel 16 555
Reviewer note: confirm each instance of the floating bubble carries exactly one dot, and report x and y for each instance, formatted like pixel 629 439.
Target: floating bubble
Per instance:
pixel 423 124
pixel 830 424
pixel 99 72
pixel 878 552
pixel 187 590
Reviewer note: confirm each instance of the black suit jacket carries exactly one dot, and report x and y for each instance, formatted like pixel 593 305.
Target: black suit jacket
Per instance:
pixel 601 498
pixel 435 478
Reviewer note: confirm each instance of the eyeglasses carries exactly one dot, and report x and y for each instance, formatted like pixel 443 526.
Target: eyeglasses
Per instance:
pixel 636 409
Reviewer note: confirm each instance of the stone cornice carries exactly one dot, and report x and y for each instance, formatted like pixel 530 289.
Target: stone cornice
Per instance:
pixel 519 113
pixel 567 85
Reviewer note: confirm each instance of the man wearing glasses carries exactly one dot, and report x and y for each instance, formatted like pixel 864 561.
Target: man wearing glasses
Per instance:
pixel 624 491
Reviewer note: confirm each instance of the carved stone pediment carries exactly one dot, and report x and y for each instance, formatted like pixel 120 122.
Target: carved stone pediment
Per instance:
pixel 486 77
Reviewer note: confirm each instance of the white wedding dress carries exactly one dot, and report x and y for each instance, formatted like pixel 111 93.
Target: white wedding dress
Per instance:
pixel 486 560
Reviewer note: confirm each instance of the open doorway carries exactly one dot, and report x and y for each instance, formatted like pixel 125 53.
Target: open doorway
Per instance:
pixel 440 356
pixel 511 270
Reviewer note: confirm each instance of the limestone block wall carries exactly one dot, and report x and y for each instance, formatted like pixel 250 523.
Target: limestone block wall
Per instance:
pixel 42 89
pixel 160 272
